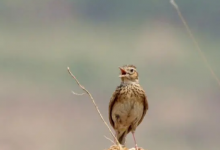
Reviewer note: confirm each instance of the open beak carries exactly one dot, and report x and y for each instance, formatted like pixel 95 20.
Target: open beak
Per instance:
pixel 123 72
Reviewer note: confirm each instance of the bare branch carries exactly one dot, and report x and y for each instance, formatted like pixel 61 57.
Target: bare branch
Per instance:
pixel 79 94
pixel 93 101
pixel 174 4
pixel 202 55
pixel 109 139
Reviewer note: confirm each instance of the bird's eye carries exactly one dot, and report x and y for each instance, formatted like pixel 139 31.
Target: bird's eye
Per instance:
pixel 132 70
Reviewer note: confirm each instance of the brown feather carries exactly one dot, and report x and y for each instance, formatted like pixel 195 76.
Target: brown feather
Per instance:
pixel 111 104
pixel 145 103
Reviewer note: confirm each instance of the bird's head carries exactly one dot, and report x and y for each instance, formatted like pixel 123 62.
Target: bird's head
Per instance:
pixel 128 74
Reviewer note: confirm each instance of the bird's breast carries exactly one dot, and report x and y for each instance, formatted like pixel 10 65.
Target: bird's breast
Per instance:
pixel 127 108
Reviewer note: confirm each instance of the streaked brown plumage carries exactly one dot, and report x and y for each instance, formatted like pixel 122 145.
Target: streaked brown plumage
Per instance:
pixel 128 104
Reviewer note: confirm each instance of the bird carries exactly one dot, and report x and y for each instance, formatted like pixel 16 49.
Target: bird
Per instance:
pixel 128 104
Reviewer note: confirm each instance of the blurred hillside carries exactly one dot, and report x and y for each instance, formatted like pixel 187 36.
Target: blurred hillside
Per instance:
pixel 40 38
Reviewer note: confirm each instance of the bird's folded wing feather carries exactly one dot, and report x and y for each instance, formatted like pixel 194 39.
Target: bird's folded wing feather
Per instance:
pixel 111 104
pixel 145 103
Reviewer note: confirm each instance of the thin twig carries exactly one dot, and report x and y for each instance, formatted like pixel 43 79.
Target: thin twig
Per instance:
pixel 109 139
pixel 93 101
pixel 195 41
pixel 79 94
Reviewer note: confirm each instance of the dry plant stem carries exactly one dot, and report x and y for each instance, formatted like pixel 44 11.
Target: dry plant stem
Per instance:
pixel 80 94
pixel 93 101
pixel 195 42
pixel 109 139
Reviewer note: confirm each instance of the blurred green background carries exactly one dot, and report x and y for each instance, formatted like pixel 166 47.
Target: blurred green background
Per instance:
pixel 40 38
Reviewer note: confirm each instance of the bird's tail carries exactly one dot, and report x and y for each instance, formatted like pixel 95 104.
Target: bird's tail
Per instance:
pixel 121 137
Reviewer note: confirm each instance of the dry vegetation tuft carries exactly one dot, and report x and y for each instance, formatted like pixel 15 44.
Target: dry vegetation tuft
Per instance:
pixel 116 147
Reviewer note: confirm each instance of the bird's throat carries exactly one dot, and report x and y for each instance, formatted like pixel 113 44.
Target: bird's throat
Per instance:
pixel 129 81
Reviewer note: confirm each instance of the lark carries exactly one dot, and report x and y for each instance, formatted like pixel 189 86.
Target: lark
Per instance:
pixel 128 104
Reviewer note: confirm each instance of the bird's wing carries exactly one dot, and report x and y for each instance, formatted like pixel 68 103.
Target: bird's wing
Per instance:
pixel 111 104
pixel 145 103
